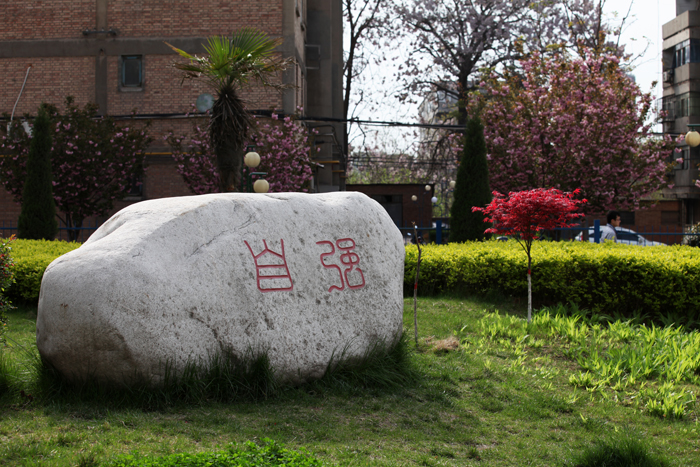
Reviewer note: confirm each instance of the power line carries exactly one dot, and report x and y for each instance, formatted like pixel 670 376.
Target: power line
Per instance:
pixel 268 113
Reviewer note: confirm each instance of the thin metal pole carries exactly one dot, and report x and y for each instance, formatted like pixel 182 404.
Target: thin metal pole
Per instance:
pixel 415 288
pixel 20 94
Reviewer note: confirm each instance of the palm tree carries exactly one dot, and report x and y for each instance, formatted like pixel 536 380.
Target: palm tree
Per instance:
pixel 230 64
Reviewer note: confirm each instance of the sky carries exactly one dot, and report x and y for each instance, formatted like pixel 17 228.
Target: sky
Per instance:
pixel 644 30
pixel 641 36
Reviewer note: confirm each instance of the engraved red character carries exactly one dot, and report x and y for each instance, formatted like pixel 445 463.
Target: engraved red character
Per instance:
pixel 270 271
pixel 349 258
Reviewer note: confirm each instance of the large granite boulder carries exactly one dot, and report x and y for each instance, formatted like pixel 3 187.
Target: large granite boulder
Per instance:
pixel 298 276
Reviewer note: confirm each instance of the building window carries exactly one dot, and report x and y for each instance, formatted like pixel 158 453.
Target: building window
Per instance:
pixel 131 76
pixel 135 187
pixel 687 51
pixel 685 155
pixel 683 105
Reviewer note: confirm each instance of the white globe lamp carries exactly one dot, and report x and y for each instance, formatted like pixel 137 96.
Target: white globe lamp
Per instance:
pixel 692 138
pixel 252 160
pixel 261 186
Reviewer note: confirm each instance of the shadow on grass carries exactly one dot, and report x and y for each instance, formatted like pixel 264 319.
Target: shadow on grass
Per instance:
pixel 618 450
pixel 225 377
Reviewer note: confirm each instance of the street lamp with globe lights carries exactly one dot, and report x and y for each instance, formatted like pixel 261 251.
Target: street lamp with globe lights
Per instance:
pixel 446 187
pixel 251 161
pixel 415 198
pixel 692 138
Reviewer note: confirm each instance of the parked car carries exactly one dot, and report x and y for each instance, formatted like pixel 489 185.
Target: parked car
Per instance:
pixel 626 236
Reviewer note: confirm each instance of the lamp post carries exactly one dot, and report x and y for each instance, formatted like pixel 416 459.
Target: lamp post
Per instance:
pixel 446 187
pixel 251 161
pixel 692 139
pixel 451 184
pixel 415 198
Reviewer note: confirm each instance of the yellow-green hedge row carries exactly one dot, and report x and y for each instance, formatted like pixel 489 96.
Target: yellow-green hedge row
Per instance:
pixel 604 278
pixel 31 257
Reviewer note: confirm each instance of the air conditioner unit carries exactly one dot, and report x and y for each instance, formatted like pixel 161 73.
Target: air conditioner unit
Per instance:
pixel 668 76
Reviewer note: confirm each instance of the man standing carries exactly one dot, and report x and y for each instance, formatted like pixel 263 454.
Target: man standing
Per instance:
pixel 608 232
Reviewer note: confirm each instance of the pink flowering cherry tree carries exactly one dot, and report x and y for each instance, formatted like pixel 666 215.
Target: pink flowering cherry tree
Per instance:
pixel 283 145
pixel 195 159
pixel 94 161
pixel 524 214
pixel 285 154
pixel 568 123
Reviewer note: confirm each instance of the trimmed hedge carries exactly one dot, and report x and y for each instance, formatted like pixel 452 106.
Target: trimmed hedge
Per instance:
pixel 31 258
pixel 608 278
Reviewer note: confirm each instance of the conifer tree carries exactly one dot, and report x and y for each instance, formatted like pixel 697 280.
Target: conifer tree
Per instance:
pixel 472 187
pixel 37 219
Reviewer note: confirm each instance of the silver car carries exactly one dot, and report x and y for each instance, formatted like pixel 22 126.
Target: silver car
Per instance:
pixel 625 236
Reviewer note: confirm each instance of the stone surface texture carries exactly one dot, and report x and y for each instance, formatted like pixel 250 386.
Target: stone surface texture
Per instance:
pixel 182 279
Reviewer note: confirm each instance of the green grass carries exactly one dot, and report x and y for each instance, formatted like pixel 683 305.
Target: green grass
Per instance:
pixel 480 392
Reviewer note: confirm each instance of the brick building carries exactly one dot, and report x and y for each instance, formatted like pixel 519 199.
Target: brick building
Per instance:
pixel 398 200
pixel 113 53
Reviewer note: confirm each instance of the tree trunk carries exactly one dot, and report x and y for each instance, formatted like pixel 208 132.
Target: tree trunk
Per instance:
pixel 73 226
pixel 415 288
pixel 529 288
pixel 229 161
pixel 529 296
pixel 228 131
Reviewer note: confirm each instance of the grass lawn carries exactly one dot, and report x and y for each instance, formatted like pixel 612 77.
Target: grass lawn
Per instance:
pixel 491 401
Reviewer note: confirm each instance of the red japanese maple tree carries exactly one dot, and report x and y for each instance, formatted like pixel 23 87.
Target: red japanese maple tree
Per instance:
pixel 524 214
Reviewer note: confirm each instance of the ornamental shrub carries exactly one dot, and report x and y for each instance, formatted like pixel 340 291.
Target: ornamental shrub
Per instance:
pixel 472 188
pixel 37 220
pixel 31 258
pixel 605 278
pixel 5 281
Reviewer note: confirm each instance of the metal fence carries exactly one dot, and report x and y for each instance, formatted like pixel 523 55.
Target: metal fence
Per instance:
pixel 643 236
pixel 439 234
pixel 9 228
pixel 670 235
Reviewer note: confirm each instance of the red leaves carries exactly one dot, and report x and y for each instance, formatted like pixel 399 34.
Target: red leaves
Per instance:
pixel 525 213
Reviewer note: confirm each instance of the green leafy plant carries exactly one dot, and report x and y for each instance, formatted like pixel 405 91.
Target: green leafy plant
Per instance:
pixel 267 454
pixel 667 400
pixel 646 366
pixel 6 279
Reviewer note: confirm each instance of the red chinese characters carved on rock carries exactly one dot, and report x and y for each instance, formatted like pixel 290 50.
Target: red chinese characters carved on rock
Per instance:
pixel 272 276
pixel 349 258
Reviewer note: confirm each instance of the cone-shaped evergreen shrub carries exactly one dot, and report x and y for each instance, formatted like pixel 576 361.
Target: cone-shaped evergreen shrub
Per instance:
pixel 472 188
pixel 37 219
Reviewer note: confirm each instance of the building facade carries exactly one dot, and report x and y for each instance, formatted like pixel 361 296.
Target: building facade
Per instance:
pixel 114 53
pixel 681 103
